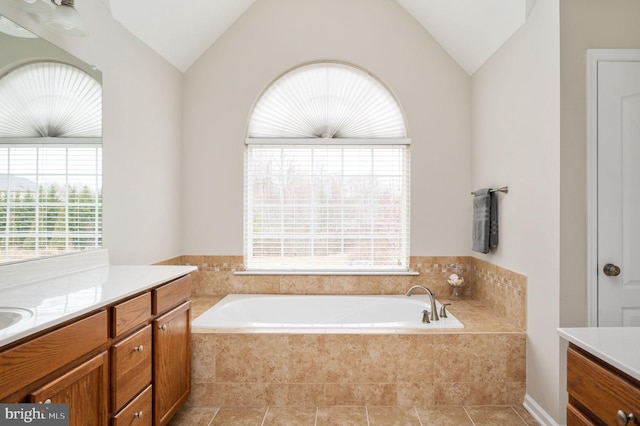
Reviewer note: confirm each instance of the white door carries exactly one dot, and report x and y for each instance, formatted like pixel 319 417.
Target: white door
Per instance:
pixel 618 196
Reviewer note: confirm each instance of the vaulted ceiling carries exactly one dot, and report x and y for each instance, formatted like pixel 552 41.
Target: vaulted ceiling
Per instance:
pixel 469 30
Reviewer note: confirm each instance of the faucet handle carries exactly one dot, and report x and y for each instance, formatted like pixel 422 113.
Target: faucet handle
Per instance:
pixel 443 310
pixel 425 317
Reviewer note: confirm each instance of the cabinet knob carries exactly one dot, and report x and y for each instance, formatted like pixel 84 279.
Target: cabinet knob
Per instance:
pixel 139 414
pixel 138 348
pixel 46 401
pixel 163 327
pixel 624 418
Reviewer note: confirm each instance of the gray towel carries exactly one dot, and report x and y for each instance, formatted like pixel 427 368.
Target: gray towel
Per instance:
pixel 485 221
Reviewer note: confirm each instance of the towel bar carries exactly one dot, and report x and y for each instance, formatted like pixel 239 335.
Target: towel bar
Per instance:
pixel 504 189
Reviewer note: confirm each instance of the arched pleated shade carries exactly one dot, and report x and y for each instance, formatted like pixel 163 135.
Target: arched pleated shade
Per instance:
pixel 50 99
pixel 327 100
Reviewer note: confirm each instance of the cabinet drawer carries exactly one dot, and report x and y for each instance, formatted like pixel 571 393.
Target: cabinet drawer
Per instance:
pixel 136 413
pixel 171 294
pixel 576 418
pixel 129 314
pixel 24 364
pixel 599 389
pixel 131 361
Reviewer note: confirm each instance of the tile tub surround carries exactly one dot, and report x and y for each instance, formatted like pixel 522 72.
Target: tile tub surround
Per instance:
pixel 484 364
pixel 502 290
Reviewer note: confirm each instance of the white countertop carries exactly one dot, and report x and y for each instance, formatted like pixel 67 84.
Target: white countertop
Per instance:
pixel 55 300
pixel 617 346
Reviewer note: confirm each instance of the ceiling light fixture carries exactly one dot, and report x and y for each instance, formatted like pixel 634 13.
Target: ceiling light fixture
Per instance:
pixel 35 6
pixel 66 20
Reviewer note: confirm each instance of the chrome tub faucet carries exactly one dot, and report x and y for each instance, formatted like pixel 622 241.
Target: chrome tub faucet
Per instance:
pixel 432 297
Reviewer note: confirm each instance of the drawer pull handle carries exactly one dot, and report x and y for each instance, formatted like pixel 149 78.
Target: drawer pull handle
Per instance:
pixel 139 414
pixel 163 327
pixel 624 419
pixel 138 348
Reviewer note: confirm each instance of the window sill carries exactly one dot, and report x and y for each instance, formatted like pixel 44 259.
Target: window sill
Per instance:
pixel 293 272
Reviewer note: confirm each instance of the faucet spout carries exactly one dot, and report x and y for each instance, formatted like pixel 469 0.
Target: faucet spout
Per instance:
pixel 432 298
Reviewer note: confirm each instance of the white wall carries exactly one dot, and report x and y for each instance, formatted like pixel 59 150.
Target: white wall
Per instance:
pixel 585 25
pixel 516 142
pixel 274 36
pixel 141 127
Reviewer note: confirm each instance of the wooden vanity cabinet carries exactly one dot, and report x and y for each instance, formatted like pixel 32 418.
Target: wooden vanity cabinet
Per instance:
pixel 151 355
pixel 128 364
pixel 598 392
pixel 67 365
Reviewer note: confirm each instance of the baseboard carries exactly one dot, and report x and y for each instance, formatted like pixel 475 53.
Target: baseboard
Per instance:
pixel 538 412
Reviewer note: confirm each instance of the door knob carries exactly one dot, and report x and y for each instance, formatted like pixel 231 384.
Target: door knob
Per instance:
pixel 611 270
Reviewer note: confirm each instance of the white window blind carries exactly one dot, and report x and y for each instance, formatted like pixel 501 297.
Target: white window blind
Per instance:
pixel 327 174
pixel 327 100
pixel 50 199
pixel 327 207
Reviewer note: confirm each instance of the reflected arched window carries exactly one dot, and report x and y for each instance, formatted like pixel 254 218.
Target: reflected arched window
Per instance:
pixel 50 161
pixel 327 174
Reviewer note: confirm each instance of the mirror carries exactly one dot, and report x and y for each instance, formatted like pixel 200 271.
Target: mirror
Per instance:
pixel 50 149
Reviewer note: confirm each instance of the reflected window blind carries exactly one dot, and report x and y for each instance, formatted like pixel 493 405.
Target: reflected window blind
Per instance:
pixel 50 199
pixel 50 161
pixel 327 174
pixel 50 99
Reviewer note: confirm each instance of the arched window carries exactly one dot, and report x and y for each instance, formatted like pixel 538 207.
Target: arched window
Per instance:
pixel 327 174
pixel 50 161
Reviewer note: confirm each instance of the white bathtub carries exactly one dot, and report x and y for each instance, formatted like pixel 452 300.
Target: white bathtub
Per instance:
pixel 303 311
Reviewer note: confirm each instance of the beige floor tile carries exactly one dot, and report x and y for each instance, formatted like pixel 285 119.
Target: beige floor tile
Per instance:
pixel 342 416
pixel 290 416
pixel 448 415
pixel 393 416
pixel 526 416
pixel 196 416
pixel 242 416
pixel 494 416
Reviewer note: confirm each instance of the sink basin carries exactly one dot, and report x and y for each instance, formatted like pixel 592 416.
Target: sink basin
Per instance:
pixel 11 316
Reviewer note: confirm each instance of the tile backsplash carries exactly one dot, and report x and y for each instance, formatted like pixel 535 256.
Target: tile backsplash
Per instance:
pixel 500 289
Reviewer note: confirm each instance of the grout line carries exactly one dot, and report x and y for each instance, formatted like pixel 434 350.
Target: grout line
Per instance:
pixel 468 415
pixel 518 414
pixel 417 415
pixel 215 413
pixel 265 416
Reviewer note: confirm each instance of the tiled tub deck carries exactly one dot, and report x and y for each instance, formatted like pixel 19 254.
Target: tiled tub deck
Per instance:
pixel 482 364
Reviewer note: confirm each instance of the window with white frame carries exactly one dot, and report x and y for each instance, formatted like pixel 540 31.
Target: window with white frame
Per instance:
pixel 327 174
pixel 50 161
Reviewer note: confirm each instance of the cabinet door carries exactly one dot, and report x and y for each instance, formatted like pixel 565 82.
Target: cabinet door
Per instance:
pixel 171 362
pixel 85 389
